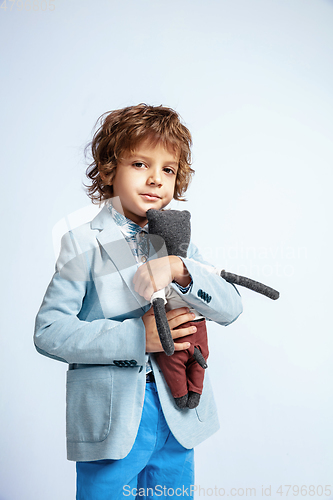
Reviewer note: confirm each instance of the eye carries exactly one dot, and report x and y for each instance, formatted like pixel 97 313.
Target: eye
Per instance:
pixel 169 170
pixel 139 164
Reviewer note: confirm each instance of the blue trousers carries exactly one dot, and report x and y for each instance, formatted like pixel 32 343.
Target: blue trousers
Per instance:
pixel 156 467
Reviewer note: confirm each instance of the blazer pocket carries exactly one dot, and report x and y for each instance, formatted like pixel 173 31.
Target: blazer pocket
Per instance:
pixel 88 404
pixel 201 412
pixel 206 408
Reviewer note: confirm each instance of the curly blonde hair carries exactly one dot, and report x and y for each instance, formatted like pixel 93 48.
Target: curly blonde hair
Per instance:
pixel 121 131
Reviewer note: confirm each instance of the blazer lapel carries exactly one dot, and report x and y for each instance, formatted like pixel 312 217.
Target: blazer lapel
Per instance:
pixel 113 242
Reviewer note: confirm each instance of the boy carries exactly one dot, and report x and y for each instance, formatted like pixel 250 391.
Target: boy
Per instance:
pixel 123 428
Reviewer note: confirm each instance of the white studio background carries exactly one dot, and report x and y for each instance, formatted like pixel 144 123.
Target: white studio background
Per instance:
pixel 253 81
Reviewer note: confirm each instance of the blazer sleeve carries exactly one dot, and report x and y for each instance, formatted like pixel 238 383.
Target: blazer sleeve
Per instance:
pixel 209 294
pixel 62 335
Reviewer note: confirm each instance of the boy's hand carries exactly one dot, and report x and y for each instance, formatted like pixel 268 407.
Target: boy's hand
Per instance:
pixel 175 318
pixel 156 274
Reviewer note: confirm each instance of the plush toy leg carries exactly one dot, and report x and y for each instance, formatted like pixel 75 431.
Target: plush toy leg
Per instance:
pixel 183 374
pixel 182 401
pixel 174 372
pixel 195 368
pixel 195 378
pixel 193 400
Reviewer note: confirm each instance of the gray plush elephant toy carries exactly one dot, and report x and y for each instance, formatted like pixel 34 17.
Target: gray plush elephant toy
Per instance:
pixel 184 370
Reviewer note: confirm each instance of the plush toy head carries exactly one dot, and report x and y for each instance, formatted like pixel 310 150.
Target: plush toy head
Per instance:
pixel 173 226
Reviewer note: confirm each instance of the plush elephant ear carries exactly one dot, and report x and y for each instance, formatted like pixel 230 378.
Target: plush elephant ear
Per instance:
pixel 174 226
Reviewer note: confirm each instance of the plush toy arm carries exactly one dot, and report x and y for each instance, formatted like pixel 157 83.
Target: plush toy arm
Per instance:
pixel 199 358
pixel 158 300
pixel 251 284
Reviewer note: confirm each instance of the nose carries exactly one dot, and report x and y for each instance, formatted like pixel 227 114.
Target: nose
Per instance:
pixel 154 177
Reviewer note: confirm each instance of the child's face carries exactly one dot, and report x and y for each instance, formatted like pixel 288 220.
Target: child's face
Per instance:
pixel 145 179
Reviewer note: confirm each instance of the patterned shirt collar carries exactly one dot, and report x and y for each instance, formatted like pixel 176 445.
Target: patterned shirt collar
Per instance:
pixel 135 235
pixel 127 226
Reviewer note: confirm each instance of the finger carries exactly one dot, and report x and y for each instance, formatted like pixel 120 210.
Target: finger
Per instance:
pixel 181 319
pixel 140 280
pixel 174 313
pixel 140 286
pixel 144 290
pixel 151 277
pixel 182 346
pixel 182 332
pixel 147 293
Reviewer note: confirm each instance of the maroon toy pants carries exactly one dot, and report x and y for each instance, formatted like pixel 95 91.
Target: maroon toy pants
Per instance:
pixel 181 372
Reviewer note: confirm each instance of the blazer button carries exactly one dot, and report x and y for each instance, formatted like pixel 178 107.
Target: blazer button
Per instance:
pixel 204 296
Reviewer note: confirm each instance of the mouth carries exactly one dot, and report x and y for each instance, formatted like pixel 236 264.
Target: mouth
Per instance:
pixel 150 196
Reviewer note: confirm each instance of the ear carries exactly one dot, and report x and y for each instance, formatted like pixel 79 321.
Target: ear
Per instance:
pixel 107 178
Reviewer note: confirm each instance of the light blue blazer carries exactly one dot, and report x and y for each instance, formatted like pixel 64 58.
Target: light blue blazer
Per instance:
pixel 90 318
